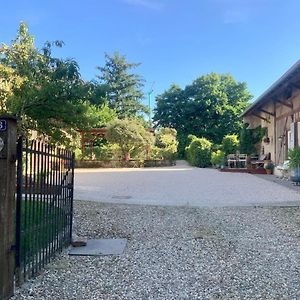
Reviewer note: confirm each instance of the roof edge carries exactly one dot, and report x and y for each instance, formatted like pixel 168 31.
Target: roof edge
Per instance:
pixel 272 88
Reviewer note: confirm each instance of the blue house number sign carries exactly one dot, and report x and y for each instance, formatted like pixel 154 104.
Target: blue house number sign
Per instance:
pixel 3 125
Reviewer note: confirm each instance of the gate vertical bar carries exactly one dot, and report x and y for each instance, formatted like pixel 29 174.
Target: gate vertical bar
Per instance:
pixel 72 164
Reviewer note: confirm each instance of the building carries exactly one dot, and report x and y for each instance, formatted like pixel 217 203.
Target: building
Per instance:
pixel 278 110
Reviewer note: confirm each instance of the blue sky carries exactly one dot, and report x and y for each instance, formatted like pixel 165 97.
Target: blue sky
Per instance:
pixel 175 40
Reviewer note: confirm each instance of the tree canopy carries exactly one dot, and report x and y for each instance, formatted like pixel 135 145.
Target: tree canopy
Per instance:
pixel 124 89
pixel 209 107
pixel 130 136
pixel 46 93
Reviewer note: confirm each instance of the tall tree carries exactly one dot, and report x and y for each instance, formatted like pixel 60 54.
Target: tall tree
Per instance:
pixel 124 89
pixel 209 107
pixel 47 93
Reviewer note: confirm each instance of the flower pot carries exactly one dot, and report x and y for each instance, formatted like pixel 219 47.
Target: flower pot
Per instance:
pixel 269 171
pixel 295 175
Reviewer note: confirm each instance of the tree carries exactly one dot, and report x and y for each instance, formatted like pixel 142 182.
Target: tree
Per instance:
pixel 209 107
pixel 169 110
pixel 124 89
pixel 9 81
pixel 46 93
pixel 130 136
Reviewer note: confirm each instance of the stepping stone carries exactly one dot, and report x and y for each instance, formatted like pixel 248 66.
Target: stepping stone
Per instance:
pixel 100 247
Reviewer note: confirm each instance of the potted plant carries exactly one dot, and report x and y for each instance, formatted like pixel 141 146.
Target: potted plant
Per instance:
pixel 269 166
pixel 294 164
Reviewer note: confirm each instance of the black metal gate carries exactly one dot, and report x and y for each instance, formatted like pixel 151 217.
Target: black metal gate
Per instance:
pixel 45 182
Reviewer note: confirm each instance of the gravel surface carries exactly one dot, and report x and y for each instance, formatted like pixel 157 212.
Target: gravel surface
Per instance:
pixel 179 253
pixel 180 185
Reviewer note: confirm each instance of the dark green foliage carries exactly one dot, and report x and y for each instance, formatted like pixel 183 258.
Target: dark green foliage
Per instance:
pixel 209 107
pixel 294 158
pixel 198 152
pixel 249 138
pixel 123 89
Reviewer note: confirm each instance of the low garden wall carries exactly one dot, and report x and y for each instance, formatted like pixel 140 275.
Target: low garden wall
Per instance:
pixel 124 164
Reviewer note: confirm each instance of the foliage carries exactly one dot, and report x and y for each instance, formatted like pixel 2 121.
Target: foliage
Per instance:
pixel 103 151
pixel 46 93
pixel 198 152
pixel 230 143
pixel 9 81
pixel 294 158
pixel 166 143
pixel 209 107
pixel 130 136
pixel 123 89
pixel 249 138
pixel 217 158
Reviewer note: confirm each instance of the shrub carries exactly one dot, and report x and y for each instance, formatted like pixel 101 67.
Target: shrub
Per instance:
pixel 198 152
pixel 217 158
pixel 294 158
pixel 166 143
pixel 230 143
pixel 250 138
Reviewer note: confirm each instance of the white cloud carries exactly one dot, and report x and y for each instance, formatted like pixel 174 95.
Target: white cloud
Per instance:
pixel 154 5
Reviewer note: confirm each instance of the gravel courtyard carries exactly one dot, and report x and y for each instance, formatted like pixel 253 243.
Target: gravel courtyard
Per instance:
pixel 212 236
pixel 179 253
pixel 180 185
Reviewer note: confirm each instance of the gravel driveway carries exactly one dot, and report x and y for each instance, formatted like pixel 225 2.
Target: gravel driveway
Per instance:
pixel 180 185
pixel 179 253
pixel 213 236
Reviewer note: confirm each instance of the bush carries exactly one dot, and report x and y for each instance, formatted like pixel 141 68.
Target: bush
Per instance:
pixel 166 143
pixel 250 138
pixel 294 158
pixel 218 158
pixel 198 152
pixel 230 143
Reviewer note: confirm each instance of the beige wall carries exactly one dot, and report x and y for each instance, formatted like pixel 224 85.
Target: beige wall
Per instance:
pixel 278 127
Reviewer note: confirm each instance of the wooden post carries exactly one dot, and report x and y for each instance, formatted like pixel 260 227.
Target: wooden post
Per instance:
pixel 8 133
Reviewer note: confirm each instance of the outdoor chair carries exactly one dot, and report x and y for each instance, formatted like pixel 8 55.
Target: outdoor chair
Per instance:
pixel 242 160
pixel 262 159
pixel 231 160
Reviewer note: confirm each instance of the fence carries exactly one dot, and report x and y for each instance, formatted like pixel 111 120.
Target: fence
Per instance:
pixel 45 176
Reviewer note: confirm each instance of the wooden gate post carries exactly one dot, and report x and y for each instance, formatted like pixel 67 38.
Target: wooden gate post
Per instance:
pixel 8 133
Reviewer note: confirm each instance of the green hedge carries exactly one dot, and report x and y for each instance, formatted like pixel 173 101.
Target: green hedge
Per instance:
pixel 198 152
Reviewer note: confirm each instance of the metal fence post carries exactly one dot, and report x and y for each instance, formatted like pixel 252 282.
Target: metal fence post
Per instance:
pixel 8 133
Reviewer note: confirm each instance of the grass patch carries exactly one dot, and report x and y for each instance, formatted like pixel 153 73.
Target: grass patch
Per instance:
pixel 42 228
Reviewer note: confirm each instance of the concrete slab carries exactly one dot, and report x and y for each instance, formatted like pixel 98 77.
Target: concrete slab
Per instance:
pixel 100 247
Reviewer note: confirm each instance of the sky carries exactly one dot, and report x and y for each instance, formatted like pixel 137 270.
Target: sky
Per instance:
pixel 176 41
